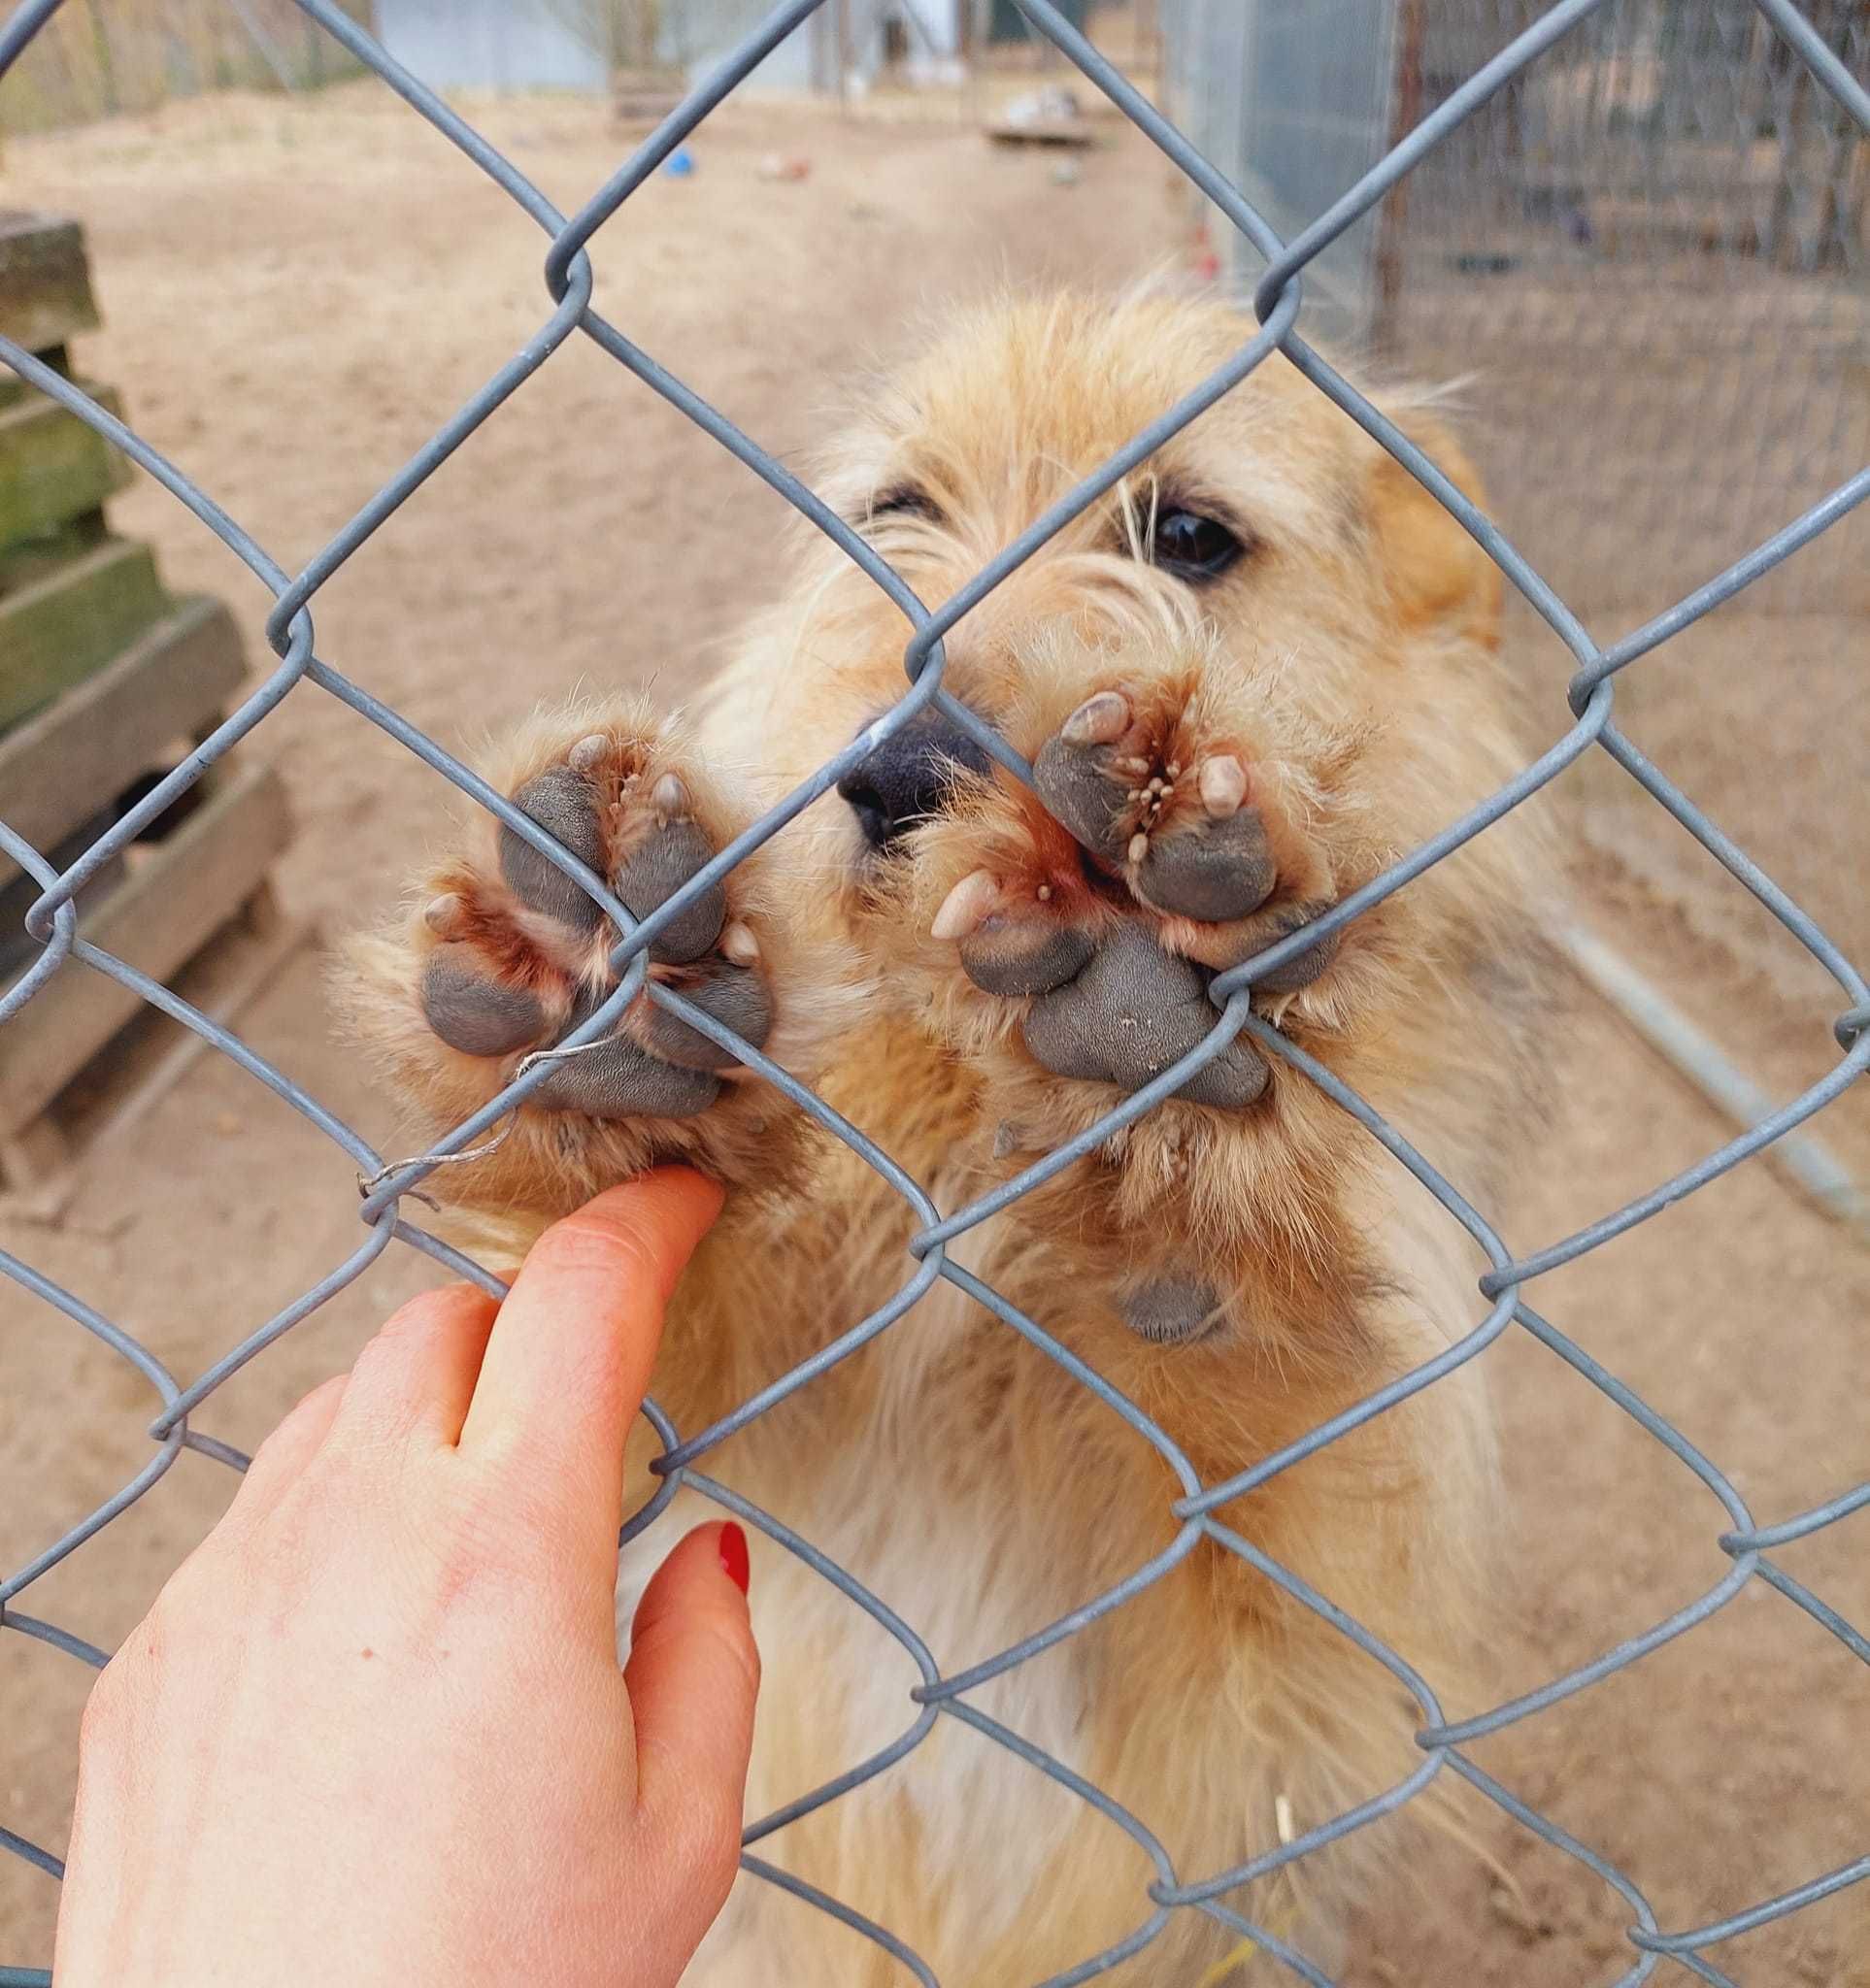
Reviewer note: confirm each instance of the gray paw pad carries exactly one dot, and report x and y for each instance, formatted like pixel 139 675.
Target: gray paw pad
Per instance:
pixel 1014 956
pixel 735 995
pixel 1215 870
pixel 1132 1011
pixel 473 1013
pixel 1171 1311
pixel 1209 870
pixel 659 865
pixel 564 803
pixel 616 1079
pixel 1074 784
pixel 1303 967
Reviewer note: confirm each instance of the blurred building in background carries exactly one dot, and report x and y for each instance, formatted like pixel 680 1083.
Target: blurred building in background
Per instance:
pixel 513 45
pixel 500 45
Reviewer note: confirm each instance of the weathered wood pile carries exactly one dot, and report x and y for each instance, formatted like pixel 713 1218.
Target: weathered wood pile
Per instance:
pixel 106 682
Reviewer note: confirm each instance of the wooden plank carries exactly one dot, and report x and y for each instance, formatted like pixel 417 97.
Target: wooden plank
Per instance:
pixel 177 898
pixel 44 281
pixel 14 389
pixel 56 629
pixel 41 559
pixel 240 965
pixel 52 466
pixel 86 748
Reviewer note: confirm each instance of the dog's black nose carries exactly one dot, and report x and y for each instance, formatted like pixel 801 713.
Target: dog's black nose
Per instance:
pixel 909 777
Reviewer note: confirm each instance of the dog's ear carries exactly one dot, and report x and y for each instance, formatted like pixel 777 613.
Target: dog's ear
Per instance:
pixel 1438 576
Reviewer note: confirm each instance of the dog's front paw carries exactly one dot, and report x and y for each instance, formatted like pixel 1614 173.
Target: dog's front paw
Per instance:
pixel 1073 934
pixel 522 956
pixel 504 956
pixel 1201 832
pixel 1166 854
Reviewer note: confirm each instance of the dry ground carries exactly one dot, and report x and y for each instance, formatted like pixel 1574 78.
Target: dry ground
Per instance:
pixel 296 296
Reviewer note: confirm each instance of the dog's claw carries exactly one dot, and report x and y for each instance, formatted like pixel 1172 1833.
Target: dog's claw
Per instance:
pixel 1097 721
pixel 966 904
pixel 1223 785
pixel 739 945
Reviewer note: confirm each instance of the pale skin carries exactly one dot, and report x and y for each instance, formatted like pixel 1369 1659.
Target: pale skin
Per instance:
pixel 374 1730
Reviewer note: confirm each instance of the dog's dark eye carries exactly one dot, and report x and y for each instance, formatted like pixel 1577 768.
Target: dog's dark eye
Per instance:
pixel 905 500
pixel 1194 548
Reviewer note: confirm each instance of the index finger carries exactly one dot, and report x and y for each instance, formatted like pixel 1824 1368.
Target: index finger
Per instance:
pixel 571 1352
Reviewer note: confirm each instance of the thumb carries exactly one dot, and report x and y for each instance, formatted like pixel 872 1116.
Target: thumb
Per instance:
pixel 692 1678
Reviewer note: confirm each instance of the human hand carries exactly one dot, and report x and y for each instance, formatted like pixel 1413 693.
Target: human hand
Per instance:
pixel 374 1728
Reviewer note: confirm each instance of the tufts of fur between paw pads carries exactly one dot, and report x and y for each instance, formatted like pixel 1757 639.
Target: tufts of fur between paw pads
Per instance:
pixel 653 1064
pixel 1183 836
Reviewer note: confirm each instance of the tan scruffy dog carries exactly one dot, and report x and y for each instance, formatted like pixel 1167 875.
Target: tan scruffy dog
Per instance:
pixel 1247 681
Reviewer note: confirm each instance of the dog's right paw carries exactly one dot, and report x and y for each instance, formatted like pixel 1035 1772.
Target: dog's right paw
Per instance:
pixel 506 955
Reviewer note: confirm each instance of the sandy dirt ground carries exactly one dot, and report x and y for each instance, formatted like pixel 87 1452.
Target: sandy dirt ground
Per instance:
pixel 296 296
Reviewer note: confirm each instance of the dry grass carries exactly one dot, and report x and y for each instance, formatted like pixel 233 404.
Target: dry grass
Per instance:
pixel 100 58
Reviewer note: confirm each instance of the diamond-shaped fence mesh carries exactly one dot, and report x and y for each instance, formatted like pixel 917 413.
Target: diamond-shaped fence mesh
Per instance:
pixel 1454 114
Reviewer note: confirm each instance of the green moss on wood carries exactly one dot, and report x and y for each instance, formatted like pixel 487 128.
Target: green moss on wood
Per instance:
pixel 44 281
pixel 55 632
pixel 53 467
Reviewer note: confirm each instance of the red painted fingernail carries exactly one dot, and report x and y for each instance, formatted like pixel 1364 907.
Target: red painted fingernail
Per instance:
pixel 733 1555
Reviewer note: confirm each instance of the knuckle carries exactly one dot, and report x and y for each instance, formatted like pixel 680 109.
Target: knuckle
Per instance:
pixel 707 1838
pixel 476 1539
pixel 133 1674
pixel 107 1706
pixel 429 1312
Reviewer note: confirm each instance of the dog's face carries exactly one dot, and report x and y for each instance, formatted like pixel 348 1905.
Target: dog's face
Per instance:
pixel 1271 539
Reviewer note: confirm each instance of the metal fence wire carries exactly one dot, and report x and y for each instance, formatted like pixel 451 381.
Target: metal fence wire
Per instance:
pixel 389 1202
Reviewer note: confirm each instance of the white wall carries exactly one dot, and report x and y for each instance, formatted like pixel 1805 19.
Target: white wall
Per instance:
pixel 697 33
pixel 497 44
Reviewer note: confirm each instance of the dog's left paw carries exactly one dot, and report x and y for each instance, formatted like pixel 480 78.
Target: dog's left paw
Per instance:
pixel 1165 854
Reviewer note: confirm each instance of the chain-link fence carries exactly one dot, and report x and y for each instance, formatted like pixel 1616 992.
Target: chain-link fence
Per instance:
pixel 1645 260
pixel 1652 220
pixel 389 1202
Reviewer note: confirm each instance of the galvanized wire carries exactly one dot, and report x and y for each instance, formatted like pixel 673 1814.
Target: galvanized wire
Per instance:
pixel 1502 1304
